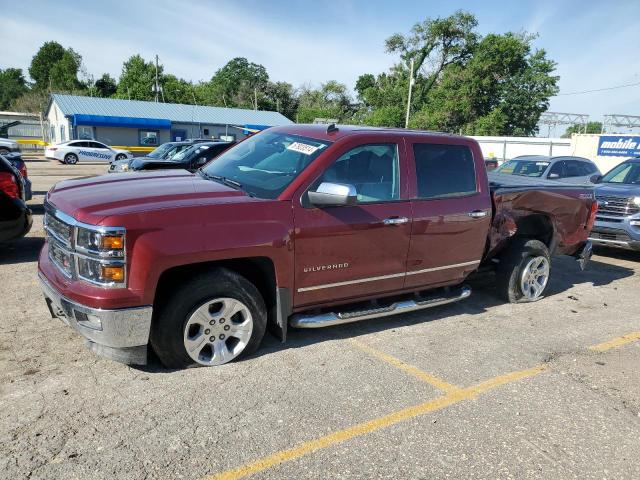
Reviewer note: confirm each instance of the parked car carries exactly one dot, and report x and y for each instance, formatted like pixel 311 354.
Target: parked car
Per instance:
pixel 15 215
pixel 16 160
pixel 304 226
pixel 163 152
pixel 576 170
pixel 73 151
pixel 8 146
pixel 618 195
pixel 190 158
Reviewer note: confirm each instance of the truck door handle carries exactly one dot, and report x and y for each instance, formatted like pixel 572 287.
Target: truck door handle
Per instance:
pixel 478 213
pixel 395 220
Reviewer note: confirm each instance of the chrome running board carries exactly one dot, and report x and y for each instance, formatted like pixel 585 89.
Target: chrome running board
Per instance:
pixel 328 319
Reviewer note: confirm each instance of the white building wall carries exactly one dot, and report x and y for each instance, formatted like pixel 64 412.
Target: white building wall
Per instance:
pixel 505 148
pixel 586 145
pixel 58 128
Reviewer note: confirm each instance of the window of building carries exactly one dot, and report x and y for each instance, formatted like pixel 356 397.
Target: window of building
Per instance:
pixel 148 137
pixel 53 134
pixel 206 132
pixel 372 169
pixel 85 133
pixel 444 170
pixel 63 138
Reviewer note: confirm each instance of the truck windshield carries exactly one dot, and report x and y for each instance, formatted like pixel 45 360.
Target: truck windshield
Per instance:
pixel 526 168
pixel 624 173
pixel 265 164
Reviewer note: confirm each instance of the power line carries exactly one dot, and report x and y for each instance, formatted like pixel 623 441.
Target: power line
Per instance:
pixel 599 89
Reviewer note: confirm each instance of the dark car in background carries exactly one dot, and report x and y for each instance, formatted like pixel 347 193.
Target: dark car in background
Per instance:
pixel 618 195
pixel 191 158
pixel 163 152
pixel 15 215
pixel 566 169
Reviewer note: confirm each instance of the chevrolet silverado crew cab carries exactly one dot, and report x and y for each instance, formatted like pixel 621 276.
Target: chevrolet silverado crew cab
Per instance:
pixel 299 226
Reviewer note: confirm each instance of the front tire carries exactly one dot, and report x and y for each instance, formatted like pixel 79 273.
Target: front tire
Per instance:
pixel 522 276
pixel 211 320
pixel 70 159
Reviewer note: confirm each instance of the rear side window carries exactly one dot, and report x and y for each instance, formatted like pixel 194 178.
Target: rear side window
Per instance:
pixel 588 168
pixel 444 170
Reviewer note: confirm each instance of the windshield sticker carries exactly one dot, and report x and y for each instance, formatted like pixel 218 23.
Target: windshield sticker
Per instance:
pixel 542 164
pixel 302 148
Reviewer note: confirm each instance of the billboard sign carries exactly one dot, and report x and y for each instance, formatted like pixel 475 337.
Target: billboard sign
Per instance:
pixel 619 146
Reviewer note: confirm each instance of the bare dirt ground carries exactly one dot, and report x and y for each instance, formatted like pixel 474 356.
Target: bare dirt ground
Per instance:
pixel 476 389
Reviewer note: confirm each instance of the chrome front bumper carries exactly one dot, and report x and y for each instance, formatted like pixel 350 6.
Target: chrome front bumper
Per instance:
pixel 121 334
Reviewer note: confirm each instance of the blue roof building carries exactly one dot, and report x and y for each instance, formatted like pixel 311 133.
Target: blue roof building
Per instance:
pixel 137 123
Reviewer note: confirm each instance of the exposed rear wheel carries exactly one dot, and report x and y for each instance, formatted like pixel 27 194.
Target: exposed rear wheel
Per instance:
pixel 523 272
pixel 121 156
pixel 211 320
pixel 70 159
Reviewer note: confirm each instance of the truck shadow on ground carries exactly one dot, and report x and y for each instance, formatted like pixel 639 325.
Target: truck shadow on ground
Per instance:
pixel 565 274
pixel 25 249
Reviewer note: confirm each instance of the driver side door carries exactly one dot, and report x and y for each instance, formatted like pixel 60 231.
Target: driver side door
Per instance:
pixel 349 251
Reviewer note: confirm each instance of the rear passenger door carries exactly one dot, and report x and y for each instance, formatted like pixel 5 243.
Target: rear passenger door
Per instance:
pixel 451 208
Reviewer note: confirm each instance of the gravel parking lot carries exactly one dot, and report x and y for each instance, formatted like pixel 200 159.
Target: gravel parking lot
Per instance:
pixel 475 389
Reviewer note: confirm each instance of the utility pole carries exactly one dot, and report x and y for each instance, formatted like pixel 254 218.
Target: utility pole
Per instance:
pixel 406 122
pixel 255 98
pixel 157 85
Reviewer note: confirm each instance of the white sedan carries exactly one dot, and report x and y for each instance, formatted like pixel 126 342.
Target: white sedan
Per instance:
pixel 84 150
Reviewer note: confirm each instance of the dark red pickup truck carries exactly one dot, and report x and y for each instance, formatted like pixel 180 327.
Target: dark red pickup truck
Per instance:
pixel 299 226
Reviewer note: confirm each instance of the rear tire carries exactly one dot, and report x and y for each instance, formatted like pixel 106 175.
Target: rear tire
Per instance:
pixel 4 151
pixel 522 276
pixel 70 159
pixel 121 156
pixel 218 316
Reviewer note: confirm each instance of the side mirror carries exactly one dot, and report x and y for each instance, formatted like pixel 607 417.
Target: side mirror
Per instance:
pixel 595 178
pixel 333 195
pixel 553 176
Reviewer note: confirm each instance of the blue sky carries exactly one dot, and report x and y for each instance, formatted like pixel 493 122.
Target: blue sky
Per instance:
pixel 308 42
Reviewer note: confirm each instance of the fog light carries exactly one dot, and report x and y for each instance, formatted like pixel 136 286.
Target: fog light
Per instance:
pixel 88 320
pixel 112 274
pixel 634 223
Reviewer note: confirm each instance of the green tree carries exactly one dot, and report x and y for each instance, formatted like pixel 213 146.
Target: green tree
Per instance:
pixel 237 84
pixel 105 86
pixel 592 127
pixel 137 79
pixel 12 86
pixel 331 100
pixel 43 61
pixel 33 101
pixel 177 90
pixel 280 97
pixel 63 75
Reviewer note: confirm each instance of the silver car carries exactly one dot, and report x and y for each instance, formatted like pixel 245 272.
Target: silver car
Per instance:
pixel 566 169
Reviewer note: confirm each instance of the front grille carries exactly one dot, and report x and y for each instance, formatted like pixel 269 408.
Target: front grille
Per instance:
pixel 611 206
pixel 58 229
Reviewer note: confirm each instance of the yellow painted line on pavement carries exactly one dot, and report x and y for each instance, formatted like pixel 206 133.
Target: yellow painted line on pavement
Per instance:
pixel 616 342
pixel 373 425
pixel 410 369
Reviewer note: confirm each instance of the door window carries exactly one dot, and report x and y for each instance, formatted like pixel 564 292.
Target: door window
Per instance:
pixel 444 170
pixel 572 169
pixel 372 169
pixel 557 169
pixel 96 145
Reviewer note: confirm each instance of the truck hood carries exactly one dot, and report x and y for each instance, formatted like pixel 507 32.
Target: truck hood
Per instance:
pixel 92 199
pixel 618 189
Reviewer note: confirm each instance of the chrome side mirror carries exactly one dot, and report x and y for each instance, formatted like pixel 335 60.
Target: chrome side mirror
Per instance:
pixel 553 176
pixel 333 195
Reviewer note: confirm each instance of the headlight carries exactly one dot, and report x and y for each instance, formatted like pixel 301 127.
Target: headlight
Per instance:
pixel 124 167
pixel 104 243
pixel 636 200
pixel 100 271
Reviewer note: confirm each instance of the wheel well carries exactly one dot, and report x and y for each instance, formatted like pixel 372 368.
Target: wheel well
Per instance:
pixel 258 270
pixel 536 226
